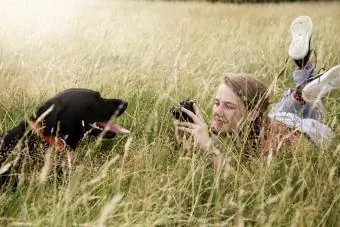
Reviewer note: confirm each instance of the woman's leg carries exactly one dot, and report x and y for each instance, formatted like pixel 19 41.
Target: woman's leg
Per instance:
pixel 290 104
pixel 299 108
pixel 299 51
pixel 323 84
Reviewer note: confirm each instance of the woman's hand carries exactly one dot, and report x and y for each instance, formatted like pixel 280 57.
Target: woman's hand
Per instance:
pixel 198 130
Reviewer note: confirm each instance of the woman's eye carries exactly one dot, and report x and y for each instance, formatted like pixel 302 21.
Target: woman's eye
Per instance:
pixel 230 107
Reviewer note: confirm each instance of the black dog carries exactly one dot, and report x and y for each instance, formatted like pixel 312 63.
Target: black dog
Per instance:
pixel 64 120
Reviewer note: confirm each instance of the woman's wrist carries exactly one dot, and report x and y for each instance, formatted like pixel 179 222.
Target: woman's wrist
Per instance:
pixel 211 148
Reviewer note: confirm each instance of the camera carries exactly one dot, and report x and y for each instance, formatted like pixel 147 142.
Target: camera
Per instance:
pixel 179 114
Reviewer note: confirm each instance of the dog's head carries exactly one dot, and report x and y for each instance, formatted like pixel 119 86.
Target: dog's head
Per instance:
pixel 75 112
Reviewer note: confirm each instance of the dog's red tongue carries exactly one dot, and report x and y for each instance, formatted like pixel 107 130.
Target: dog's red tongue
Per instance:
pixel 112 127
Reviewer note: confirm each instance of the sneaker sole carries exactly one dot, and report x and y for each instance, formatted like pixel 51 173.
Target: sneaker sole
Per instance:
pixel 317 88
pixel 301 31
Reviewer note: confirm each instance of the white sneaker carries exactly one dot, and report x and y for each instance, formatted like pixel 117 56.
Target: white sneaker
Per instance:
pixel 320 86
pixel 301 30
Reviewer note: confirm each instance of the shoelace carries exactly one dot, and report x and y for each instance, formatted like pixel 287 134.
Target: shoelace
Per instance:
pixel 319 74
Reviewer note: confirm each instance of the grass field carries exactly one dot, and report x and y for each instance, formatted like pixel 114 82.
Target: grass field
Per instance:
pixel 154 54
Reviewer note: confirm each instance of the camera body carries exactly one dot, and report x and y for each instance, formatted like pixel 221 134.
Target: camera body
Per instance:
pixel 179 114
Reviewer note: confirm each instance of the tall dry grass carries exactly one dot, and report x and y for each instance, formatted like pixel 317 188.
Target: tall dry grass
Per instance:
pixel 154 54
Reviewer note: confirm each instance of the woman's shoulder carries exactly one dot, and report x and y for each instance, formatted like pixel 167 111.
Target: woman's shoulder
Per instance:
pixel 276 135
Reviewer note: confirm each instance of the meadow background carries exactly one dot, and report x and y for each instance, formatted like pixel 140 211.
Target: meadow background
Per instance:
pixel 154 54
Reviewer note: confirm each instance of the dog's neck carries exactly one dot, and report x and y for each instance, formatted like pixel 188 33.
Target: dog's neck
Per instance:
pixel 31 131
pixel 54 141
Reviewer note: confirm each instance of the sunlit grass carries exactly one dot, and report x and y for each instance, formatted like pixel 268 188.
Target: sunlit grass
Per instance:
pixel 154 54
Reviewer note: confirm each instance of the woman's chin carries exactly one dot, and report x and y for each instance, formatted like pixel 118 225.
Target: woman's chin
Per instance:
pixel 216 127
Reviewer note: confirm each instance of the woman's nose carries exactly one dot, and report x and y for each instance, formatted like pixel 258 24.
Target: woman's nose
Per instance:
pixel 218 110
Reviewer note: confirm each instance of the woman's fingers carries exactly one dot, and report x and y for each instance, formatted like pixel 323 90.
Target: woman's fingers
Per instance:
pixel 193 116
pixel 198 111
pixel 180 137
pixel 184 129
pixel 185 124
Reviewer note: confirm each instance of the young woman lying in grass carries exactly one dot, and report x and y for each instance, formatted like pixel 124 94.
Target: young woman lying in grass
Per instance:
pixel 241 105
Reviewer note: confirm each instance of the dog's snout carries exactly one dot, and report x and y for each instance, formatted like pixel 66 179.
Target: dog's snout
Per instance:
pixel 124 105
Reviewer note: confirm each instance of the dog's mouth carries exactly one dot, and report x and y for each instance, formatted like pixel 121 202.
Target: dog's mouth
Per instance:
pixel 108 126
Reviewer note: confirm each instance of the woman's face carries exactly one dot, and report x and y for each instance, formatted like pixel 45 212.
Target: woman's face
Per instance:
pixel 228 110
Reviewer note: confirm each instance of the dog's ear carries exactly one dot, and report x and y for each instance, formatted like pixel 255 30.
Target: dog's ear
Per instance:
pixel 48 114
